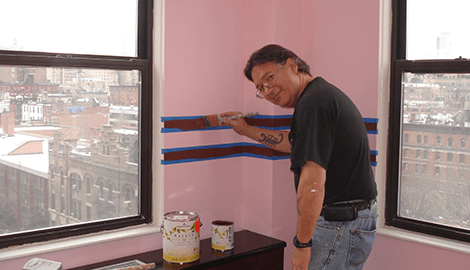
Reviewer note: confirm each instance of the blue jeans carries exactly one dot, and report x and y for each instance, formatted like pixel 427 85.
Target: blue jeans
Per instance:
pixel 343 245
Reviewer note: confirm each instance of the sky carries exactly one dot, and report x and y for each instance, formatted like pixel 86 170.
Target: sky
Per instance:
pixel 427 19
pixel 70 26
pixel 110 26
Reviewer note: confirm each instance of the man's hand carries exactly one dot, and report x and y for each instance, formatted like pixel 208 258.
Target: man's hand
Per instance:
pixel 238 125
pixel 301 258
pixel 275 139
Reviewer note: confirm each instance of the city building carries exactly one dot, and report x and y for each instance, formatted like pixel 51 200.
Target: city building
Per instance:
pixel 107 188
pixel 24 185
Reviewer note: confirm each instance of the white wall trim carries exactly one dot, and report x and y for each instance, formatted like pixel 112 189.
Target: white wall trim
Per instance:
pixel 385 36
pixel 75 242
pixel 420 238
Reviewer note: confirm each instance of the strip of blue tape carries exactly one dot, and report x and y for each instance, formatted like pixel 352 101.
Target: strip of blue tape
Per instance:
pixel 227 145
pixel 170 118
pixel 371 120
pixel 173 130
pixel 164 162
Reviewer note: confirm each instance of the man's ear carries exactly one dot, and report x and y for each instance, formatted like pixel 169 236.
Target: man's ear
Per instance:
pixel 290 63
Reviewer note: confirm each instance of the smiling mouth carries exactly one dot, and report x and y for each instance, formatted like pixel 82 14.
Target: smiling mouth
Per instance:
pixel 276 96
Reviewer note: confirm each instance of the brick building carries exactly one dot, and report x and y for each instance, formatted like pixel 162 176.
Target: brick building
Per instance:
pixel 436 167
pixel 24 193
pixel 94 181
pixel 124 95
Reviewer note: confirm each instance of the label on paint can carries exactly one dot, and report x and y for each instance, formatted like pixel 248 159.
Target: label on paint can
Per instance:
pixel 180 232
pixel 222 235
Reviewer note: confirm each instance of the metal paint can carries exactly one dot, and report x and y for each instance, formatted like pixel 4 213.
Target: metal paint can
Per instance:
pixel 180 231
pixel 222 235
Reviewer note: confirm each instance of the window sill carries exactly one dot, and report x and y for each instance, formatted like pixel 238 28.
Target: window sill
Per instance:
pixel 76 242
pixel 424 239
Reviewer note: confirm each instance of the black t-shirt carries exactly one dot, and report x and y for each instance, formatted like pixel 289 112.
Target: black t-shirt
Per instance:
pixel 328 129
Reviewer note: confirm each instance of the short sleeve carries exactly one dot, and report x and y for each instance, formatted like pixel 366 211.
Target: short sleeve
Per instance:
pixel 312 137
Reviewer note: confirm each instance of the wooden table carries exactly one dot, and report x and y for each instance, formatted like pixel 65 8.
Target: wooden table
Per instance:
pixel 251 251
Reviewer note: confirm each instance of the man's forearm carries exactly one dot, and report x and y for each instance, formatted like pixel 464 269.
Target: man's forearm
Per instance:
pixel 277 140
pixel 310 196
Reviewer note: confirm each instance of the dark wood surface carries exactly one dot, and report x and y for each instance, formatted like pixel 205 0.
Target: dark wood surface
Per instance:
pixel 251 251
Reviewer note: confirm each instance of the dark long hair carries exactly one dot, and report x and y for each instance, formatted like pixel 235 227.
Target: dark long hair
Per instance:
pixel 274 53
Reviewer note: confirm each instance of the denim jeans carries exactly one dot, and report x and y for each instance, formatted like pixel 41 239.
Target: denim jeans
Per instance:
pixel 343 245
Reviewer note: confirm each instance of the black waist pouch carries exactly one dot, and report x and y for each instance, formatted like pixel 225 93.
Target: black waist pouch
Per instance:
pixel 342 212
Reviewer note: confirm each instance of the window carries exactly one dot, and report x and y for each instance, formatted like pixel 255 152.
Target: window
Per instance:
pixel 88 184
pixel 71 152
pixel 429 57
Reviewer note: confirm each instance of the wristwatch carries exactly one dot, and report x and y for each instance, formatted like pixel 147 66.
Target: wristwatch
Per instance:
pixel 299 244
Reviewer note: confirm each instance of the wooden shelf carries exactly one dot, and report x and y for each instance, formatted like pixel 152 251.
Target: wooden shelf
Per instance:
pixel 251 251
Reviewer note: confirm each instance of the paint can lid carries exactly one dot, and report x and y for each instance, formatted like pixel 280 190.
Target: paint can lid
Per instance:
pixel 181 216
pixel 222 222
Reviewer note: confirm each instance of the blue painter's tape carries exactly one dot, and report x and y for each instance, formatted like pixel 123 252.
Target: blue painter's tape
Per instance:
pixel 173 130
pixel 165 162
pixel 225 145
pixel 271 116
pixel 371 120
pixel 265 157
pixel 188 160
pixel 171 118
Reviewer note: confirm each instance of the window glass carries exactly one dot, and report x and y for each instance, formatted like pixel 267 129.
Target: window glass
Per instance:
pixel 69 134
pixel 440 113
pixel 75 118
pixel 104 27
pixel 437 29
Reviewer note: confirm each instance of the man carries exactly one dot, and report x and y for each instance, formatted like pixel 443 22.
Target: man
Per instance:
pixel 330 158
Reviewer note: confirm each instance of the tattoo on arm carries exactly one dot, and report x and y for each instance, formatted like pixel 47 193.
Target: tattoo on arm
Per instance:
pixel 270 140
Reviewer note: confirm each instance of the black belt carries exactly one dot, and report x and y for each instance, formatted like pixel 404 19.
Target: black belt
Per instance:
pixel 345 211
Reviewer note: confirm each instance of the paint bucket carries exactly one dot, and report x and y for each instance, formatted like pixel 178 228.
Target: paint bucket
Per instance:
pixel 181 238
pixel 222 235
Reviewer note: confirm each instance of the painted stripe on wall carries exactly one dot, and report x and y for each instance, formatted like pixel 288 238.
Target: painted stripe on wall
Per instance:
pixel 219 151
pixel 242 149
pixel 276 122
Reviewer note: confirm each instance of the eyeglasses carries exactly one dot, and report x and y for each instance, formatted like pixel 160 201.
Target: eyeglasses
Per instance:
pixel 262 91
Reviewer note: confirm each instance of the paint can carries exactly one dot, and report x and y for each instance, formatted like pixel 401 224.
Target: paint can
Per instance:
pixel 222 235
pixel 180 231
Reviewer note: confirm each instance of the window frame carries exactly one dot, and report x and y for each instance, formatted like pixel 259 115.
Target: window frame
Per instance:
pixel 142 62
pixel 399 65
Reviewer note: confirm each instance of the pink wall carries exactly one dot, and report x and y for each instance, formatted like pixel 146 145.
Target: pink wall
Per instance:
pixel 207 43
pixel 204 43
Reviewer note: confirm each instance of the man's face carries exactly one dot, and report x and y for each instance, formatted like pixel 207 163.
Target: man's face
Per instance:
pixel 279 83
